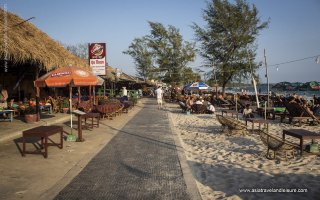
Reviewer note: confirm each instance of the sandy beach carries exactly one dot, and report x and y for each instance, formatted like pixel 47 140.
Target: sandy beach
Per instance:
pixel 224 166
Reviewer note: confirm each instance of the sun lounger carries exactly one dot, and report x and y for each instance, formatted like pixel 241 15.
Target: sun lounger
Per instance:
pixel 199 108
pixel 183 106
pixel 297 113
pixel 234 126
pixel 278 145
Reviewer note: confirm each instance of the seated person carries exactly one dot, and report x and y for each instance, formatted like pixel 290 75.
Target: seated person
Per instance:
pixel 210 108
pixel 189 102
pixel 247 112
pixel 198 101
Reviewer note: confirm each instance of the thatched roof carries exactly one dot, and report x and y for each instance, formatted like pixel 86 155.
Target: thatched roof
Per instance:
pixel 28 44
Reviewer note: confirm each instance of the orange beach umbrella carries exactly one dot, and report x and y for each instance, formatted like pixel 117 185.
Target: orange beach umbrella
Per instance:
pixel 61 77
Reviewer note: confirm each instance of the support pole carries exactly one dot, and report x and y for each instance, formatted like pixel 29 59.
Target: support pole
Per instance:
pixel 253 81
pixel 267 76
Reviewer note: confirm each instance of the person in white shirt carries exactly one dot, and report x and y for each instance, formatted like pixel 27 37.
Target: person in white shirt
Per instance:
pixel 199 101
pixel 210 108
pixel 247 112
pixel 159 93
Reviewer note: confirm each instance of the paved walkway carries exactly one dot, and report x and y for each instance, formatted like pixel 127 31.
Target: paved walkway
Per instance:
pixel 140 162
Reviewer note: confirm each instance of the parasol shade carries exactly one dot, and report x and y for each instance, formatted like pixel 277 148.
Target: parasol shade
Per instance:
pixel 71 75
pixel 197 86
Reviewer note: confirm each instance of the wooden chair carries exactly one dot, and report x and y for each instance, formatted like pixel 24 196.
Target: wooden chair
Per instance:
pixel 296 112
pixel 108 110
pixel 87 107
pixel 278 145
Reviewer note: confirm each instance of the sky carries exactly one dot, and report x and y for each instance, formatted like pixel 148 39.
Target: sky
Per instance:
pixel 293 32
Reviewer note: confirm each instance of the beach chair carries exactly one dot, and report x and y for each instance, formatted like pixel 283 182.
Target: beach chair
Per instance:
pixel 234 126
pixel 278 146
pixel 296 112
pixel 316 119
pixel 183 106
pixel 199 108
pixel 221 119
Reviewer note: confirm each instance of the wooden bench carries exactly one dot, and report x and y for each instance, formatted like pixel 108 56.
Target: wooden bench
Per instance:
pixel 43 132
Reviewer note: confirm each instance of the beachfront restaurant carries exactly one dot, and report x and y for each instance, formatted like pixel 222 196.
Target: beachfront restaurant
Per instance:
pixel 26 53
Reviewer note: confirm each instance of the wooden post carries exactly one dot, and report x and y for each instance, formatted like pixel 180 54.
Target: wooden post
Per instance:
pixel 79 95
pixel 37 103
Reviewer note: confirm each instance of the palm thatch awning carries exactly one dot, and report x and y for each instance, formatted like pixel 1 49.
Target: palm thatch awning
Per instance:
pixel 27 44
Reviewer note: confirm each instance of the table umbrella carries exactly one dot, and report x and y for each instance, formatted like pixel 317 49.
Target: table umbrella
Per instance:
pixel 64 76
pixel 72 76
pixel 196 86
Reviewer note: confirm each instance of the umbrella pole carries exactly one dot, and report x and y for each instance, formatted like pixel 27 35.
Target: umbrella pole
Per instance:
pixel 94 95
pixel 70 100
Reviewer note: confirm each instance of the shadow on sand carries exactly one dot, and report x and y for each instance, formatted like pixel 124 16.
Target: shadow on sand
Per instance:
pixel 230 179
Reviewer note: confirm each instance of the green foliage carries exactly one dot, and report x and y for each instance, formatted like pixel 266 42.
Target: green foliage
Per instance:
pixel 64 103
pixel 162 55
pixel 228 40
pixel 142 56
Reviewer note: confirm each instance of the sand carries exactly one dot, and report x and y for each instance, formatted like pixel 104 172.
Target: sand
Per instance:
pixel 224 165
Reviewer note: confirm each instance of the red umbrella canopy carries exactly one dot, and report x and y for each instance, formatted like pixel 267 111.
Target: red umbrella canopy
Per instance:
pixel 64 76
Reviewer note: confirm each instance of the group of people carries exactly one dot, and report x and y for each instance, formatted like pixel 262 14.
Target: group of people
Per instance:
pixel 189 101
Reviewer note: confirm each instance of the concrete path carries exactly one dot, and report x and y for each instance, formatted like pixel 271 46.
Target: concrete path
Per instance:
pixel 143 161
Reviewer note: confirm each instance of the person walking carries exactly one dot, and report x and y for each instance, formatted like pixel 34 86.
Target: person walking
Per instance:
pixel 159 93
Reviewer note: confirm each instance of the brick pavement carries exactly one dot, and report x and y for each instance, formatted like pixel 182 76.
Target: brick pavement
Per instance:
pixel 140 162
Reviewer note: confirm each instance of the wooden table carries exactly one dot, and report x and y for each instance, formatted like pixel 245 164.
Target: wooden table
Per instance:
pixel 43 132
pixel 232 112
pixel 302 134
pixel 92 116
pixel 259 121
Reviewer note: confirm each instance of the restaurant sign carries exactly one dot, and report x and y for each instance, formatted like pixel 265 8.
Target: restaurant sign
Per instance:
pixel 97 58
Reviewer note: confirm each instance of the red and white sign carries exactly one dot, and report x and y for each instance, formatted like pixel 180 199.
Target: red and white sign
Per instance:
pixel 97 58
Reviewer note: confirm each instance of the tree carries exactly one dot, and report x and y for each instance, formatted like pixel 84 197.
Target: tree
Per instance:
pixel 227 43
pixel 80 50
pixel 162 54
pixel 142 56
pixel 171 53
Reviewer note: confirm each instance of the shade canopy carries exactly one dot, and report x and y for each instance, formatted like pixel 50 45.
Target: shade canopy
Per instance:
pixel 196 86
pixel 71 75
